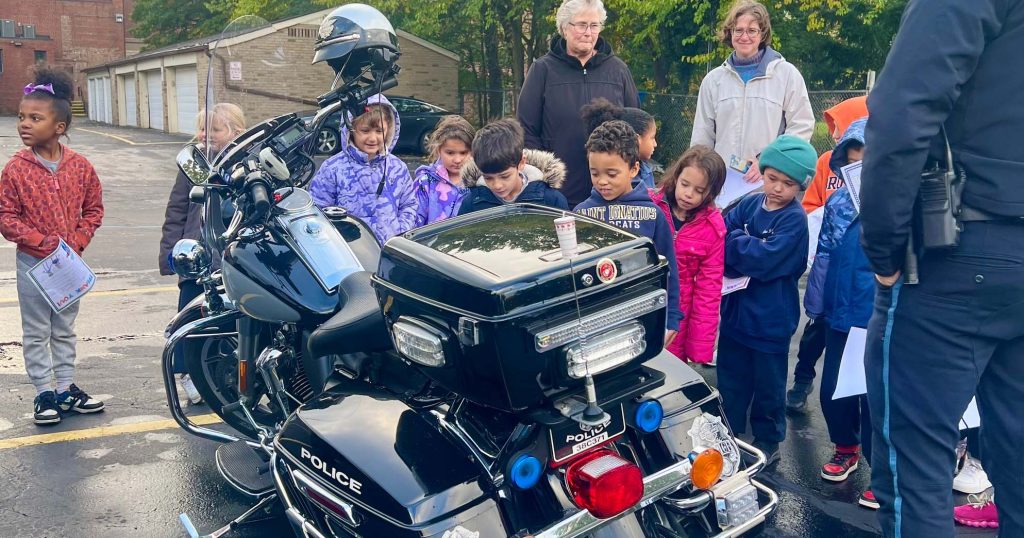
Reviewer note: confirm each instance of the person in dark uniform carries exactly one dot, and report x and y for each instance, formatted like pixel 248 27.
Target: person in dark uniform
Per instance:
pixel 960 331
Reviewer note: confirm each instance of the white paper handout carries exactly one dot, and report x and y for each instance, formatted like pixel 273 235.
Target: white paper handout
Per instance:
pixel 814 220
pixel 730 285
pixel 735 187
pixel 851 371
pixel 972 418
pixel 851 177
pixel 63 277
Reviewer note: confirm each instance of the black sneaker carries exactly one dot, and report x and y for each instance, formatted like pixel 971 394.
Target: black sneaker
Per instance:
pixel 46 409
pixel 796 398
pixel 770 450
pixel 75 399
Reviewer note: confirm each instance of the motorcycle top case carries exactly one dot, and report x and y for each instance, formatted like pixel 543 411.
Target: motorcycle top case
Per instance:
pixel 491 280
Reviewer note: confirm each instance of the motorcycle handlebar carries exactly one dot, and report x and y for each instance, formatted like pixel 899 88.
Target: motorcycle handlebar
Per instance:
pixel 260 200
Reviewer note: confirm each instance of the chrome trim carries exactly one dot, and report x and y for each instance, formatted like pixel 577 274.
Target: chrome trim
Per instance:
pixel 302 481
pixel 665 482
pixel 579 323
pixel 171 388
pixel 299 523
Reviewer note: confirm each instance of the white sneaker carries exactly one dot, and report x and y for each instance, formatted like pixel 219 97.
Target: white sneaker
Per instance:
pixel 972 479
pixel 190 390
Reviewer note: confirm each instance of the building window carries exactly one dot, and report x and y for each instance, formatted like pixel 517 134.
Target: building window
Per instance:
pixel 40 56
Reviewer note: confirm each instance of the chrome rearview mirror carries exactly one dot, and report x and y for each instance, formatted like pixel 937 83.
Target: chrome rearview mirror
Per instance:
pixel 192 162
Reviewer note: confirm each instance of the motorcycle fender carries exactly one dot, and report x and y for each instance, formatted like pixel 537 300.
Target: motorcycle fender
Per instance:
pixel 192 311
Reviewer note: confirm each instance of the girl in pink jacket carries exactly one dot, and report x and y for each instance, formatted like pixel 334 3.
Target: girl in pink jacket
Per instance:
pixel 687 196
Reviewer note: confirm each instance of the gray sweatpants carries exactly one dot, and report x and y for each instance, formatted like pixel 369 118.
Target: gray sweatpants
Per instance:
pixel 48 337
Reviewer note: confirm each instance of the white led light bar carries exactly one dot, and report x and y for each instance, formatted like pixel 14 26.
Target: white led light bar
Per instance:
pixel 601 321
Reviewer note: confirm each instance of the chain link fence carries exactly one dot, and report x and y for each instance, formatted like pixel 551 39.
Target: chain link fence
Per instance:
pixel 674 113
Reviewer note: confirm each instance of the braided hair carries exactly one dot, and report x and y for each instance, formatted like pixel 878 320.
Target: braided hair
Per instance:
pixel 60 99
pixel 618 138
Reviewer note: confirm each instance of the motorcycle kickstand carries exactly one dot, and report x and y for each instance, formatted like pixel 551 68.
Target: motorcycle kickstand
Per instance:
pixel 239 521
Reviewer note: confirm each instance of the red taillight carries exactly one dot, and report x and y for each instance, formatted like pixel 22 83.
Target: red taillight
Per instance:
pixel 604 483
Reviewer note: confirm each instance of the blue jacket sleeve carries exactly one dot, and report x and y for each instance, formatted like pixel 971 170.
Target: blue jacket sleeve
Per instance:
pixel 933 56
pixel 664 245
pixel 782 254
pixel 422 185
pixel 324 187
pixel 814 297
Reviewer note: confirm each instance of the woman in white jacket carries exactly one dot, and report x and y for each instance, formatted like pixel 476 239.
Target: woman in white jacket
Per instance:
pixel 755 96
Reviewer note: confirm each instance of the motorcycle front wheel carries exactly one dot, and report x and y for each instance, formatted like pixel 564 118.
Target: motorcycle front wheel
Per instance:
pixel 213 367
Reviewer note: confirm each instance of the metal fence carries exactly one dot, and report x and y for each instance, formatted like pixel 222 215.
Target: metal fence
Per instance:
pixel 674 113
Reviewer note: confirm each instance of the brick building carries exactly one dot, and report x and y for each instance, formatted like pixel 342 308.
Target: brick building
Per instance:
pixel 266 71
pixel 69 34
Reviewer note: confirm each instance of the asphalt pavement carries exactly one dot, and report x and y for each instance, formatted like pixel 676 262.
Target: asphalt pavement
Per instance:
pixel 129 471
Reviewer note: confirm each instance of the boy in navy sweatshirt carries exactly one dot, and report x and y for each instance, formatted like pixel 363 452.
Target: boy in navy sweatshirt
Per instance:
pixel 613 153
pixel 766 241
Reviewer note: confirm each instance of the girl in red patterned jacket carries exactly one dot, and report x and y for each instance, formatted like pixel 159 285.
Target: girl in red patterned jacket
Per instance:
pixel 687 197
pixel 49 193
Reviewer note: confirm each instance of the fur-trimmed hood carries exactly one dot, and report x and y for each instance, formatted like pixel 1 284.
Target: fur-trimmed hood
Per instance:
pixel 540 165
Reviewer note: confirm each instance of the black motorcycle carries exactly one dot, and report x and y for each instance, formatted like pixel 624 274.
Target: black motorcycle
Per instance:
pixel 466 379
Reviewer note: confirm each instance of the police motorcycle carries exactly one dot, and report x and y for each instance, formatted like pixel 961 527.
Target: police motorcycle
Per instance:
pixel 467 378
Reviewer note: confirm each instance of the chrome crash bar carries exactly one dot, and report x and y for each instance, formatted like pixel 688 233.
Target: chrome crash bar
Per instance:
pixel 171 387
pixel 662 483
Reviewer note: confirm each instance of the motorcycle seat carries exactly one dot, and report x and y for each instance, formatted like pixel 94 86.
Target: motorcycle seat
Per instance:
pixel 358 326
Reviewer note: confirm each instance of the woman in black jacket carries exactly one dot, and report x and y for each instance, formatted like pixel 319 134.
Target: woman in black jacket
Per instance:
pixel 579 67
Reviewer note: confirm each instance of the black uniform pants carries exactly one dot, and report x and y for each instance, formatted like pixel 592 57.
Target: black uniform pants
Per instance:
pixel 754 380
pixel 930 348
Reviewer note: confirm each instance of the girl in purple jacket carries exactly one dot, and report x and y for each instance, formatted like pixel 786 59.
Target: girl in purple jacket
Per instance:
pixel 365 178
pixel 439 187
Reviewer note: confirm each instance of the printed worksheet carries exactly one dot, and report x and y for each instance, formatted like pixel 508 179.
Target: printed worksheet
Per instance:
pixel 63 277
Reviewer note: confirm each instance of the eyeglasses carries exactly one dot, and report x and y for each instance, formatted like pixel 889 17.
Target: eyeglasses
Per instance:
pixel 582 27
pixel 749 32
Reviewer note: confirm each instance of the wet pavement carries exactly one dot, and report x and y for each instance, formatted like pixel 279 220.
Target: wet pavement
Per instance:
pixel 129 471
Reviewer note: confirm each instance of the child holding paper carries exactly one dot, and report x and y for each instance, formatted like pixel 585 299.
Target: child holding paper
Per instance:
pixel 841 291
pixel 766 240
pixel 49 193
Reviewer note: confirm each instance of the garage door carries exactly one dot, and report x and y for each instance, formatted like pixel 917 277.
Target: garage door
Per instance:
pixel 131 103
pixel 107 114
pixel 93 92
pixel 187 93
pixel 154 85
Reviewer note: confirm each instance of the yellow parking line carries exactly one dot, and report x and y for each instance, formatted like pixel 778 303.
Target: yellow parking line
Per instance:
pixel 127 141
pixel 109 293
pixel 102 431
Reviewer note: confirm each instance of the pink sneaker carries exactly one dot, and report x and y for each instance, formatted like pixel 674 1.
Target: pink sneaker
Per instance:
pixel 980 511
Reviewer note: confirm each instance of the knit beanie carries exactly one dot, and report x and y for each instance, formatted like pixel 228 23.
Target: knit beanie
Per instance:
pixel 791 156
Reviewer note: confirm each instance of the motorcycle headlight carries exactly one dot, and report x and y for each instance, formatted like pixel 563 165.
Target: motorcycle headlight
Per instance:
pixel 189 259
pixel 419 341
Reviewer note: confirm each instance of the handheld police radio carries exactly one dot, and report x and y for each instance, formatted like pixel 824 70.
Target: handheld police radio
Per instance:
pixel 937 209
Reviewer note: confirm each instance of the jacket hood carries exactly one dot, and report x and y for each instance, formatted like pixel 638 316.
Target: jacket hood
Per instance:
pixel 770 55
pixel 434 172
pixel 540 165
pixel 392 135
pixel 559 49
pixel 638 194
pixel 854 135
pixel 845 113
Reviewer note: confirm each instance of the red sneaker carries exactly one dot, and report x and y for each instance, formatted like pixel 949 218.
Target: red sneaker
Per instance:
pixel 867 500
pixel 842 464
pixel 980 511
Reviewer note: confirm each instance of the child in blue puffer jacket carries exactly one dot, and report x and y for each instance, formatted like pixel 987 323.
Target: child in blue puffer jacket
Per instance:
pixel 841 290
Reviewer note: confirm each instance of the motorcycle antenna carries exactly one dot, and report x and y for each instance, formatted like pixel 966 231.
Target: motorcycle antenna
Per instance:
pixel 592 415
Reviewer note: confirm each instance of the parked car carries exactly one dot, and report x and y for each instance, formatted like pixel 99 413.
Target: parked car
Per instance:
pixel 419 119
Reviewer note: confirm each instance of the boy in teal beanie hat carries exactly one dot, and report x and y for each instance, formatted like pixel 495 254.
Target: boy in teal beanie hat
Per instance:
pixel 766 241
